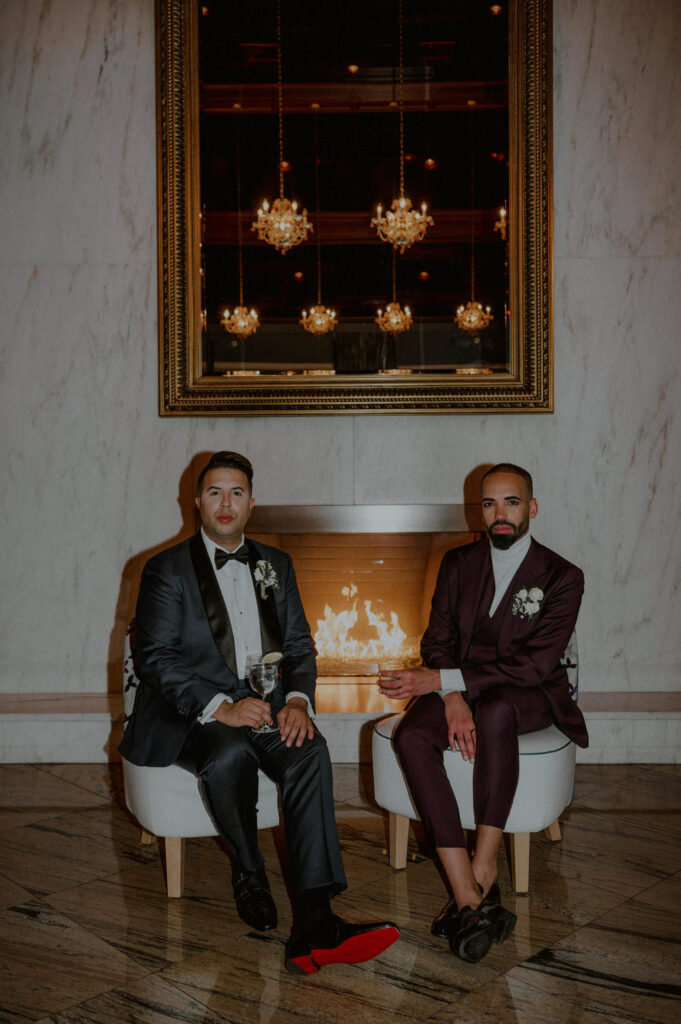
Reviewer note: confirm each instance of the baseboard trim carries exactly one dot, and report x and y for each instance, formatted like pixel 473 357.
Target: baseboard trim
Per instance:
pixel 85 728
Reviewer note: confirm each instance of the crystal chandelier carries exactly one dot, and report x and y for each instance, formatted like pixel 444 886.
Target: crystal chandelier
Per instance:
pixel 394 319
pixel 402 224
pixel 318 319
pixel 473 317
pixel 281 224
pixel 241 322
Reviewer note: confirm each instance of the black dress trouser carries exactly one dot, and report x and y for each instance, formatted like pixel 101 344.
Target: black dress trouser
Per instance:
pixel 226 761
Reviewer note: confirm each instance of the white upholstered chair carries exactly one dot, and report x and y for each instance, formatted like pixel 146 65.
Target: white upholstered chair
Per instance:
pixel 167 801
pixel 545 786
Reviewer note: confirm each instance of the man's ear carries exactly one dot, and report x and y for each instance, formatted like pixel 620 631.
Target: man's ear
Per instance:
pixel 197 501
pixel 533 507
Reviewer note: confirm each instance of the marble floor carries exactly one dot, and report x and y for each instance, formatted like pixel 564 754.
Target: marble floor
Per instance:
pixel 87 935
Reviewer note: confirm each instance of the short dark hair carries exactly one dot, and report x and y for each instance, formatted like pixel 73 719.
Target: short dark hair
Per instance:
pixel 226 460
pixel 508 467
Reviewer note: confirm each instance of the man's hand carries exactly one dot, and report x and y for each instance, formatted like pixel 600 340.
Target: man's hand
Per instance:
pixel 295 725
pixel 249 711
pixel 409 682
pixel 460 726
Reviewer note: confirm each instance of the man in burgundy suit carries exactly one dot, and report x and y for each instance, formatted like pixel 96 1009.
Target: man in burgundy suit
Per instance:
pixel 503 611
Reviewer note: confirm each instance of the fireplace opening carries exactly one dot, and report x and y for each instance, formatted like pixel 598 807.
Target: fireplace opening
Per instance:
pixel 366 592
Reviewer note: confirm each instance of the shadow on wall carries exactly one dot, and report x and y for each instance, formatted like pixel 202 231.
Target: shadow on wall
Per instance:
pixel 132 572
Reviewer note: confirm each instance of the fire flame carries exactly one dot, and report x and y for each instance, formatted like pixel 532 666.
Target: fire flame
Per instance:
pixel 333 636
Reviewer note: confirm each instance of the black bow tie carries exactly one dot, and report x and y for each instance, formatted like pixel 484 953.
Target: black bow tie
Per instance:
pixel 222 557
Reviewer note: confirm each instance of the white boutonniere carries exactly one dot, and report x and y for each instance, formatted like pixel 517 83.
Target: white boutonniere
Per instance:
pixel 265 575
pixel 527 601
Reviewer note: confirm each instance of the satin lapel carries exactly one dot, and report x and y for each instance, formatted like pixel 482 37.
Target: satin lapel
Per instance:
pixel 214 606
pixel 476 591
pixel 270 630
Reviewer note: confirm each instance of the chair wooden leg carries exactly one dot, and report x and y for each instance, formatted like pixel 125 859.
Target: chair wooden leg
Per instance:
pixel 553 831
pixel 398 835
pixel 147 838
pixel 174 866
pixel 520 861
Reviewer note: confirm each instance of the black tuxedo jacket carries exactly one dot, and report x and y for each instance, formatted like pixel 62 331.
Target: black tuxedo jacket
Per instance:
pixel 185 645
pixel 507 648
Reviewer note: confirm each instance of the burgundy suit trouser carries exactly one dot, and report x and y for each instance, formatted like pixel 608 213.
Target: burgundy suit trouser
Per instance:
pixel 501 713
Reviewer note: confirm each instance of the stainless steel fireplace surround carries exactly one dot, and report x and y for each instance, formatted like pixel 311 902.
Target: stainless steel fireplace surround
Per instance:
pixel 274 519
pixel 366 574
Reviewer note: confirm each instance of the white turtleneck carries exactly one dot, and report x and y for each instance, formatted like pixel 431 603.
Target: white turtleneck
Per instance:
pixel 505 565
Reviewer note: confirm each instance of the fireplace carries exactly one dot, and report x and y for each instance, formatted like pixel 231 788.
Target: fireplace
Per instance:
pixel 366 574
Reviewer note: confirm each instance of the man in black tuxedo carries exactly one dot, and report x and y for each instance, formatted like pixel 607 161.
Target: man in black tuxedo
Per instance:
pixel 203 607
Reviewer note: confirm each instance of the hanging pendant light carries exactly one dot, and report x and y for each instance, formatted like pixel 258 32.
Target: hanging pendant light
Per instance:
pixel 394 319
pixel 281 224
pixel 473 317
pixel 401 225
pixel 318 319
pixel 241 322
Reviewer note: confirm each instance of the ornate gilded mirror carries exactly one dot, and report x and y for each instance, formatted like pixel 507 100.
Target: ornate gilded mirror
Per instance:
pixel 340 107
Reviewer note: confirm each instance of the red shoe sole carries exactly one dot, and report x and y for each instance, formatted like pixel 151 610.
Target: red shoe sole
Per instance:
pixel 356 949
pixel 302 965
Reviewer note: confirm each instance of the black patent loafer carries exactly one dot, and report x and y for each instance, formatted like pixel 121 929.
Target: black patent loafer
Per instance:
pixel 253 899
pixel 446 921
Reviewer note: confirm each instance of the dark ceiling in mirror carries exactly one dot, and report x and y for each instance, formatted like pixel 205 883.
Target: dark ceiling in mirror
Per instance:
pixel 472 143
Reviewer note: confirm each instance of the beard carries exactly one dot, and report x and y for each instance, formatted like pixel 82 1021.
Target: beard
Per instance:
pixel 503 541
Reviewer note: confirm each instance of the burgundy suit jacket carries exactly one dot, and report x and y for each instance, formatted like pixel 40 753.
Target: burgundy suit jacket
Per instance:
pixel 507 648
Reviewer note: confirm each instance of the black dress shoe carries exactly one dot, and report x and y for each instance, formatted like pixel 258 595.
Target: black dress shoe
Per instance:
pixel 479 928
pixel 474 936
pixel 253 898
pixel 446 921
pixel 336 942
pixel 448 918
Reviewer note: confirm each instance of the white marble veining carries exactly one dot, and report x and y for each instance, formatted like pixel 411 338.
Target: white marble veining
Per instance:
pixel 617 71
pixel 92 475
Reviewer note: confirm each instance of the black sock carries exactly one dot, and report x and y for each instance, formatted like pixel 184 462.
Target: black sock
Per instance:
pixel 314 908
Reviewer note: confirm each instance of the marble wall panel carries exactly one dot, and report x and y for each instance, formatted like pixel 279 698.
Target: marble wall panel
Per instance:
pixel 92 475
pixel 617 70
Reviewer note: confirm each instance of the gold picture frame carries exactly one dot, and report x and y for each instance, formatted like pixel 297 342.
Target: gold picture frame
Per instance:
pixel 526 386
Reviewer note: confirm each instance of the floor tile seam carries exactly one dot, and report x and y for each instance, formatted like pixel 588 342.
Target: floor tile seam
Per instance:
pixel 632 827
pixel 113 877
pixel 120 990
pixel 310 1013
pixel 84 928
pixel 610 813
pixel 44 769
pixel 53 816
pixel 640 893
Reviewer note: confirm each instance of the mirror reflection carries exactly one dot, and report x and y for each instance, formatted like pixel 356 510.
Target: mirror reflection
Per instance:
pixel 340 107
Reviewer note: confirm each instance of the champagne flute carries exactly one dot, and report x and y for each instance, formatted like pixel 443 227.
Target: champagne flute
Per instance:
pixel 262 679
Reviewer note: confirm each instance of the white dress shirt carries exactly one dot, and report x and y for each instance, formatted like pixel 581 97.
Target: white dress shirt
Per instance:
pixel 238 593
pixel 505 564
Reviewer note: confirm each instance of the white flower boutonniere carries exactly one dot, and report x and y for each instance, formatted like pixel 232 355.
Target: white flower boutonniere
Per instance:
pixel 527 601
pixel 265 575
